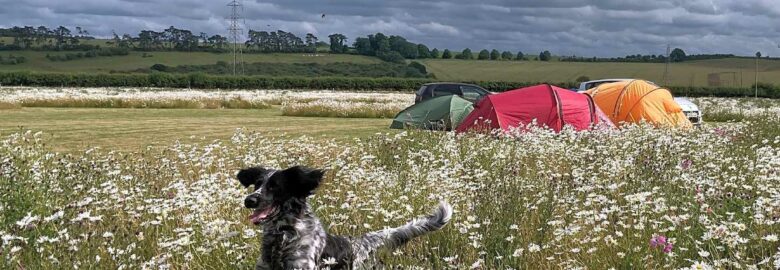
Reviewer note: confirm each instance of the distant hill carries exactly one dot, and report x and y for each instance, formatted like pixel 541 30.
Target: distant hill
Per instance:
pixel 731 71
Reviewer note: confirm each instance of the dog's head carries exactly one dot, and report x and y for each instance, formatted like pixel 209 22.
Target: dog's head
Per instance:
pixel 274 188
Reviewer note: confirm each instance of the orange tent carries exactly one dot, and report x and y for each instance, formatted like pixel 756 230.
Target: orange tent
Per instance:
pixel 636 100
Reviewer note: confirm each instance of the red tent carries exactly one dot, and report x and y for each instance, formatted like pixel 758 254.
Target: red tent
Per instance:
pixel 551 106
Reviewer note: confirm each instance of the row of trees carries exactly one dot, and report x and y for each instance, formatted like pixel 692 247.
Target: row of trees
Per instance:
pixel 172 38
pixel 390 48
pixel 184 40
pixel 484 55
pixel 396 49
pixel 281 41
pixel 169 39
pixel 677 55
pixel 57 38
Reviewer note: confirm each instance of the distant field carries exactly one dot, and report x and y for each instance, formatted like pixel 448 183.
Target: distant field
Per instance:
pixel 693 73
pixel 735 72
pixel 36 61
pixel 132 129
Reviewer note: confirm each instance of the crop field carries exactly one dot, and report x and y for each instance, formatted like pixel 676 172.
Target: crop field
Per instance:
pixel 36 60
pixel 79 188
pixel 734 72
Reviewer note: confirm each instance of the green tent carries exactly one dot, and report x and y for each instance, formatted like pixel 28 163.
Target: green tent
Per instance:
pixel 441 113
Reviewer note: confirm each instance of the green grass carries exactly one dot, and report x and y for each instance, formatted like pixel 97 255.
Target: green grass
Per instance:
pixel 132 129
pixel 36 61
pixel 693 73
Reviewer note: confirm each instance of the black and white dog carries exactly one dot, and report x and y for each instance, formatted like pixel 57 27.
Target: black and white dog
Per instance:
pixel 293 238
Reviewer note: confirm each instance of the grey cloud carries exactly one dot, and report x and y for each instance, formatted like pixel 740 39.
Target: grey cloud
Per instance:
pixel 569 27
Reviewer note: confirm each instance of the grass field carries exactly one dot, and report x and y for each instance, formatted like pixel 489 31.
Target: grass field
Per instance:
pixel 36 61
pixel 132 129
pixel 682 74
pixel 735 72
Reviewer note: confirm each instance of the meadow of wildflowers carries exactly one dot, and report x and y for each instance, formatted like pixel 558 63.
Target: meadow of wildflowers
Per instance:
pixel 736 109
pixel 639 197
pixel 292 103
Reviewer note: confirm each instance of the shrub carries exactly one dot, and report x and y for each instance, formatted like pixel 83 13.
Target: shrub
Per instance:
pixel 339 69
pixel 392 57
pixel 159 67
pixel 89 54
pixel 418 66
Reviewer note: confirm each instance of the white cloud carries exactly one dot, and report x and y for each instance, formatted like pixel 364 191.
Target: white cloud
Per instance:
pixel 440 28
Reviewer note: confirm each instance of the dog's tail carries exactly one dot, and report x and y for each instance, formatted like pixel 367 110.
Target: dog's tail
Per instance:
pixel 396 237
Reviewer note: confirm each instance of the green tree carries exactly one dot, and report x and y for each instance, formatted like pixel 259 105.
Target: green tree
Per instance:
pixel 435 53
pixel 495 55
pixel 363 46
pixel 61 34
pixel 446 54
pixel 545 56
pixel 311 42
pixel 379 43
pixel 677 55
pixel 483 55
pixel 466 54
pixel 507 55
pixel 758 54
pixel 520 56
pixel 337 43
pixel 423 52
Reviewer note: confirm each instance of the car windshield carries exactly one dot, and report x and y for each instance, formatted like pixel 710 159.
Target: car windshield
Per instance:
pixel 472 93
pixel 421 90
pixel 446 89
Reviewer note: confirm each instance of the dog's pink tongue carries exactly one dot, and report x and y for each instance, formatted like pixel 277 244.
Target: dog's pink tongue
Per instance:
pixel 259 215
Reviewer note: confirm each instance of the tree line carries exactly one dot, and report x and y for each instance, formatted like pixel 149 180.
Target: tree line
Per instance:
pixel 394 48
pixel 677 55
pixel 390 48
pixel 60 38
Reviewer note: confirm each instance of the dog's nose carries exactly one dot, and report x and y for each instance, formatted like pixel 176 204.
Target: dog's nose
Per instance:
pixel 250 202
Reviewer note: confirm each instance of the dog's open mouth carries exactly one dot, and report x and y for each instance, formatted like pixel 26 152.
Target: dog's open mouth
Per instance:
pixel 261 215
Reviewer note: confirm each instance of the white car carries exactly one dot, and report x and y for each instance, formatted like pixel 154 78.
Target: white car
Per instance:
pixel 690 109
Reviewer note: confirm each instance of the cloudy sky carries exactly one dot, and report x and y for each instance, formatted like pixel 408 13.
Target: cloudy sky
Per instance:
pixel 565 27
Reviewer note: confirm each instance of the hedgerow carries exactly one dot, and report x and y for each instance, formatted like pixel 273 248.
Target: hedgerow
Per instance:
pixel 203 81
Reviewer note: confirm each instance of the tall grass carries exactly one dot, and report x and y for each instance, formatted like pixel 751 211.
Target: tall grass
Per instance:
pixel 344 109
pixel 179 103
pixel 294 103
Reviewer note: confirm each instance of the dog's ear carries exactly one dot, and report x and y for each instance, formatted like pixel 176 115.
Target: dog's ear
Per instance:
pixel 301 181
pixel 249 176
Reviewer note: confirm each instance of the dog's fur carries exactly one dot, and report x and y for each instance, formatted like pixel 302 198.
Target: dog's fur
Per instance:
pixel 293 237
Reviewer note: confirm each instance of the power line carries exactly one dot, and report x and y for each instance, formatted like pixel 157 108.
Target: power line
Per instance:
pixel 666 69
pixel 236 9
